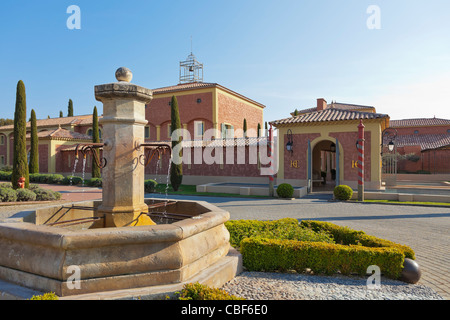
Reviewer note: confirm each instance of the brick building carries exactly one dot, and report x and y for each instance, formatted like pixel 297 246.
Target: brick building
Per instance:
pixel 424 145
pixel 202 106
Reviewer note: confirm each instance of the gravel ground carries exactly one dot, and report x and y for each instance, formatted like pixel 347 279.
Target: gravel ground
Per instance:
pixel 290 286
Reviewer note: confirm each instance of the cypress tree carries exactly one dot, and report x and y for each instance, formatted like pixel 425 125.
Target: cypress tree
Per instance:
pixel 61 114
pixel 34 150
pixel 259 130
pixel 176 170
pixel 95 139
pixel 245 128
pixel 70 108
pixel 20 165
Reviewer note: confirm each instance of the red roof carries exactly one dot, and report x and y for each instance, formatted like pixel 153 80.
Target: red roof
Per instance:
pixel 330 115
pixel 421 122
pixel 338 105
pixel 55 122
pixel 61 134
pixel 425 141
pixel 201 85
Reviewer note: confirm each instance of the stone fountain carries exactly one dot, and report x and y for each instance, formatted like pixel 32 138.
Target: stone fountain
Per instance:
pixel 124 246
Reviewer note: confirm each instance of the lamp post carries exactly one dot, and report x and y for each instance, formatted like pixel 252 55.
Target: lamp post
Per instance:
pixel 290 143
pixel 389 139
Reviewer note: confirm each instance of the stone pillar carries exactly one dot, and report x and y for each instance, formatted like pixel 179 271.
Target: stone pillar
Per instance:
pixel 123 125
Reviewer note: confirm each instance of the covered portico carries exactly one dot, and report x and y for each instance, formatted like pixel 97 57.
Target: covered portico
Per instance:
pixel 323 148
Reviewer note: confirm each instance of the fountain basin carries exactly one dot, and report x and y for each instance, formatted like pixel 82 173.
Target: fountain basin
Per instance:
pixel 39 253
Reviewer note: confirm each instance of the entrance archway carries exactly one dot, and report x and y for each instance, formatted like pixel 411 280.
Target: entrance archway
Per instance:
pixel 323 166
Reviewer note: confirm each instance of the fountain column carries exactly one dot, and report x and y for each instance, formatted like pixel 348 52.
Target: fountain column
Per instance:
pixel 123 125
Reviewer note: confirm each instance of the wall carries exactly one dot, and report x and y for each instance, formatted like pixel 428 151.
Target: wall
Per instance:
pixel 347 134
pixel 158 111
pixel 233 110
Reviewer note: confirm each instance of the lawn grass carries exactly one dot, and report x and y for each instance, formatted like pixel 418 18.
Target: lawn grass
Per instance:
pixel 410 202
pixel 192 190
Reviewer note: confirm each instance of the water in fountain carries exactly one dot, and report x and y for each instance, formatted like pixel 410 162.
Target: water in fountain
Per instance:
pixel 74 168
pixel 84 169
pixel 156 176
pixel 167 185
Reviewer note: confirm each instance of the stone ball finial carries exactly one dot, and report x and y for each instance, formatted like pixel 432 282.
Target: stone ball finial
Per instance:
pixel 124 74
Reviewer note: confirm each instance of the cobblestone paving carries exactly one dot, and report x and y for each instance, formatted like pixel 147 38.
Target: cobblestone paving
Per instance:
pixel 424 229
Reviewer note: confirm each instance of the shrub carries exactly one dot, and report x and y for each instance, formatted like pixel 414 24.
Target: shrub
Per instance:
pixel 46 296
pixel 285 190
pixel 33 187
pixel 46 195
pixel 347 236
pixel 5 175
pixel 150 186
pixel 6 168
pixel 197 291
pixel 55 178
pixel 94 182
pixel 46 178
pixel 25 195
pixel 343 192
pixel 6 185
pixel 75 180
pixel 323 258
pixel 8 195
pixel 287 228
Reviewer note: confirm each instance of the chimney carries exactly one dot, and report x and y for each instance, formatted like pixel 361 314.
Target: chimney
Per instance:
pixel 321 104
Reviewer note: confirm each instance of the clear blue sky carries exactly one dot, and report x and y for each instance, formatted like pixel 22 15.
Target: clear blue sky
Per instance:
pixel 284 54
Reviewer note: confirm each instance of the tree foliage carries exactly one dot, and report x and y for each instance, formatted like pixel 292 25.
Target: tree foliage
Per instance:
pixel 20 163
pixel 70 108
pixel 95 139
pixel 176 170
pixel 34 150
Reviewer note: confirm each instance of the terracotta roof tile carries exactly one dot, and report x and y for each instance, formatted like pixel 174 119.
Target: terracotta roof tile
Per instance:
pixel 425 141
pixel 338 105
pixel 54 122
pixel 421 122
pixel 329 115
pixel 61 134
pixel 184 86
pixel 201 85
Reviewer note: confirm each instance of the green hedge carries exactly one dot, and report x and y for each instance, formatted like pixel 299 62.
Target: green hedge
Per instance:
pixel 322 247
pixel 150 186
pixel 287 228
pixel 347 236
pixel 34 193
pixel 268 255
pixel 197 291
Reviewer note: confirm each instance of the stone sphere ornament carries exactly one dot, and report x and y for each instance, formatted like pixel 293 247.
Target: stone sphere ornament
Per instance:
pixel 124 74
pixel 411 272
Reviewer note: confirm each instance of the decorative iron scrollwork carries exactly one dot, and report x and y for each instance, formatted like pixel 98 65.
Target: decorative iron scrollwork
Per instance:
pixel 91 148
pixel 150 150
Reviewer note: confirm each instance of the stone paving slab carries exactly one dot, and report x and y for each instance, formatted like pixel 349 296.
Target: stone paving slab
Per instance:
pixel 424 229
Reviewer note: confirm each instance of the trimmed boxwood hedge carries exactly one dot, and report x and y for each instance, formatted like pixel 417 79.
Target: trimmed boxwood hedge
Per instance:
pixel 322 247
pixel 343 192
pixel 347 236
pixel 287 228
pixel 268 255
pixel 285 190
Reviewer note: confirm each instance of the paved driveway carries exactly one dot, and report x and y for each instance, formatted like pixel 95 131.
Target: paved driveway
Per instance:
pixel 424 229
